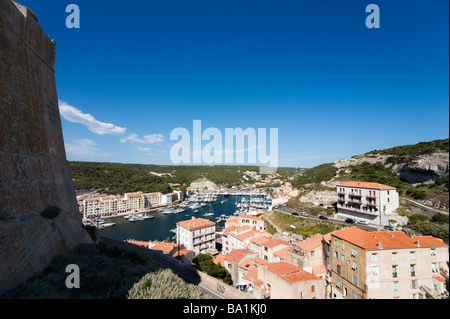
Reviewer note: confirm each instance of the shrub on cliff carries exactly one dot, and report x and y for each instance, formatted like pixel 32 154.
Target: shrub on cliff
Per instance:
pixel 164 284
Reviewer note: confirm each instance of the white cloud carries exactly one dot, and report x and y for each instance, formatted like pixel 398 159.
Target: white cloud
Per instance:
pixel 147 139
pixel 74 115
pixel 144 149
pixel 84 148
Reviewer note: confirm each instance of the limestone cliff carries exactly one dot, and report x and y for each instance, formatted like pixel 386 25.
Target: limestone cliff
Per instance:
pixel 38 210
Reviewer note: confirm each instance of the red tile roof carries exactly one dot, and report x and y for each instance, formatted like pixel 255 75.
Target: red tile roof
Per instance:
pixel 290 272
pixel 311 243
pixel 275 242
pixel 196 223
pixel 388 240
pixel 237 255
pixel 428 241
pixel 365 185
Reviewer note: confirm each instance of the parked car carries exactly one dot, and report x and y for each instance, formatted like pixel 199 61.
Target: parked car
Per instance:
pixel 323 217
pixel 362 222
pixel 295 214
pixel 387 227
pixel 349 220
pixel 304 214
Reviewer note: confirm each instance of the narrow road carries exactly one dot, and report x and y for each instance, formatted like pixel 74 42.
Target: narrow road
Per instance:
pixel 426 207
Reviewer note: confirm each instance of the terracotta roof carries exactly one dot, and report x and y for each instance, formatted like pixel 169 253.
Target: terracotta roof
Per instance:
pixel 237 255
pixel 249 234
pixel 275 242
pixel 250 217
pixel 318 270
pixel 137 242
pixel 311 243
pixel 290 272
pixel 429 241
pixel 260 240
pixel 250 263
pixel 388 240
pixel 282 253
pixel 252 276
pixel 219 260
pixel 365 185
pixel 196 223
pixel 439 278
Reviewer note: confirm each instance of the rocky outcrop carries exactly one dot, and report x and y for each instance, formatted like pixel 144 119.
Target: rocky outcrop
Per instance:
pixel 204 183
pixel 39 217
pixel 424 169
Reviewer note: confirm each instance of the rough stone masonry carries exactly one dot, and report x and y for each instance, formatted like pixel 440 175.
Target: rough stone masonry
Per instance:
pixel 39 217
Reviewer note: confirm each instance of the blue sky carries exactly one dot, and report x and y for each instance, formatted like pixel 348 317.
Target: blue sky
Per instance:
pixel 135 71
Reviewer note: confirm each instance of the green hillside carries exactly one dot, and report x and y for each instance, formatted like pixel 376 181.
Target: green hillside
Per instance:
pixel 116 178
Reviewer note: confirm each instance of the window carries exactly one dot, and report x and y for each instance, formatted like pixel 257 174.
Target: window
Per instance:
pixel 375 271
pixel 313 288
pixel 395 285
pixel 434 267
pixel 338 283
pixel 355 295
pixel 412 255
pixel 433 252
pixel 338 269
pixel 354 252
pixel 355 265
pixel 335 242
pixel 342 246
pixel 394 256
pixel 335 254
pixel 394 271
pixel 355 280
pixel 374 257
pixel 413 270
pixel 414 284
pixel 312 253
pixel 343 258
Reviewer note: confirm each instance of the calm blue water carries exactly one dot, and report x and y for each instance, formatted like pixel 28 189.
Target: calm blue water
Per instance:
pixel 159 227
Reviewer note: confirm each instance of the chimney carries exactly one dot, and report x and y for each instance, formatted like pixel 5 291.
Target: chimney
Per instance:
pixel 380 245
pixel 417 242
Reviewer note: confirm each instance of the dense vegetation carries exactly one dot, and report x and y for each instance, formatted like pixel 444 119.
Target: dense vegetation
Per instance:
pixel 115 178
pixel 437 225
pixel 315 175
pixel 408 153
pixel 105 272
pixel 164 284
pixel 206 264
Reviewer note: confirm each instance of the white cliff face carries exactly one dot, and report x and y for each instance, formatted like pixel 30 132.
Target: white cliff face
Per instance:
pixel 357 160
pixel 203 183
pixel 425 169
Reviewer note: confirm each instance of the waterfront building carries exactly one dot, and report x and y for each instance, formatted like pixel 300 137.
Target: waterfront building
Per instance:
pixel 386 265
pixel 197 234
pixel 90 207
pixel 134 201
pixel 371 202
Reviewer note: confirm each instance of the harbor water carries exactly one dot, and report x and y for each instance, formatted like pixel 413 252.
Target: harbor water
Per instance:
pixel 158 228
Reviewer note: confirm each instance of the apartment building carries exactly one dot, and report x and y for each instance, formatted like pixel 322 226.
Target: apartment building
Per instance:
pixel 371 202
pixel 197 234
pixel 135 202
pixel 152 199
pixel 385 265
pixel 90 207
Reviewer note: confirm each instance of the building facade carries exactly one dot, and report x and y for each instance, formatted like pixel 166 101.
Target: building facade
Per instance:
pixel 371 202
pixel 385 265
pixel 197 234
